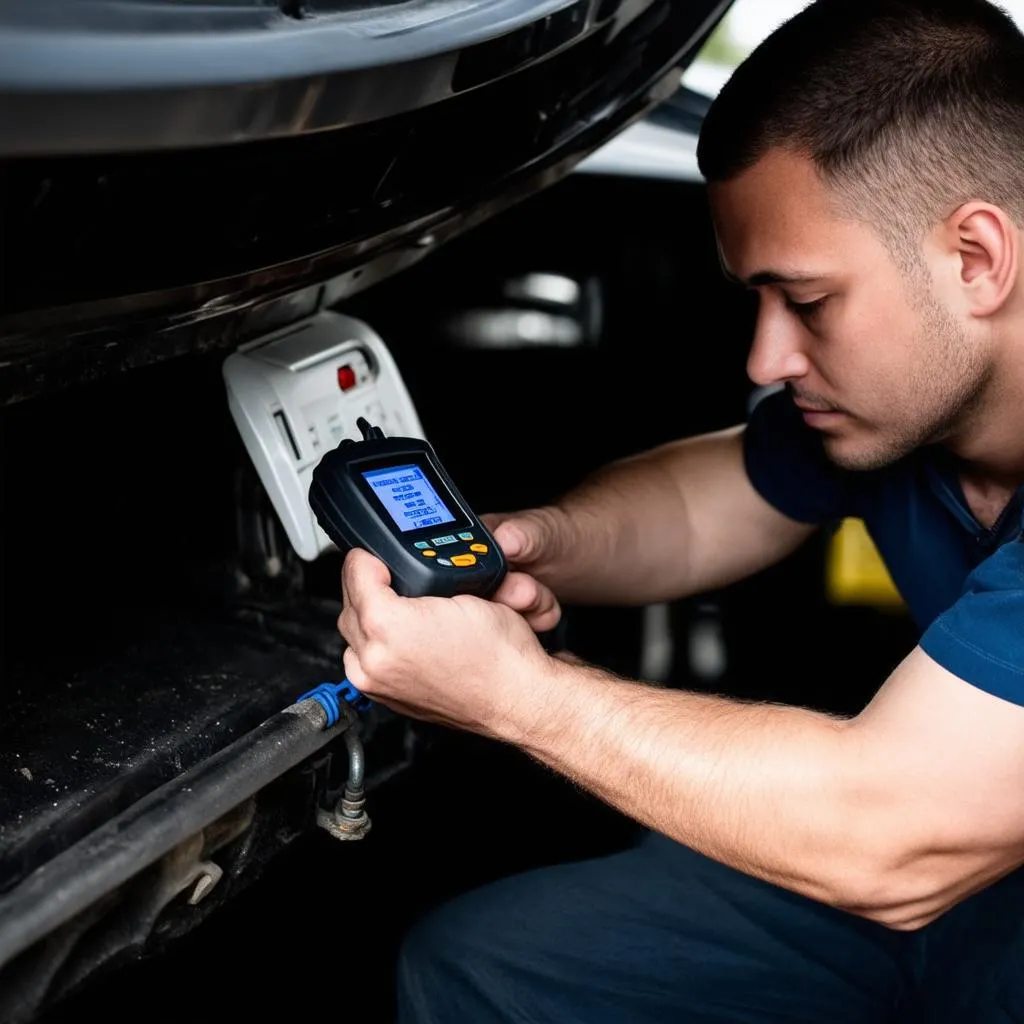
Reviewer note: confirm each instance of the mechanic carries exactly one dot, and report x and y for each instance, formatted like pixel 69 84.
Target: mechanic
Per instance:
pixel 865 170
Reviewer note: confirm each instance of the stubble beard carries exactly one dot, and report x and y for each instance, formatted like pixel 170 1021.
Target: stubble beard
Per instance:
pixel 940 397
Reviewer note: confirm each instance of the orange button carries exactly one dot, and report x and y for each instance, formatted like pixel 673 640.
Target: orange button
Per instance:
pixel 480 549
pixel 463 560
pixel 429 554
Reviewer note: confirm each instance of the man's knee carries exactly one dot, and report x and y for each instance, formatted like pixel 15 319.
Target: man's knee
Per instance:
pixel 655 933
pixel 421 960
pixel 418 975
pixel 446 971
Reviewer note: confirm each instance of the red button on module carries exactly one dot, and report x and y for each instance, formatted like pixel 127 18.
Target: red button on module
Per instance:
pixel 346 377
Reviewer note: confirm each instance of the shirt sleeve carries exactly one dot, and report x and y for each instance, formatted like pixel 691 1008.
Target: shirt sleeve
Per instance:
pixel 980 639
pixel 788 467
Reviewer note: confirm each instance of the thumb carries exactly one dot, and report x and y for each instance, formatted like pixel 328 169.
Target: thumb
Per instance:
pixel 521 536
pixel 512 540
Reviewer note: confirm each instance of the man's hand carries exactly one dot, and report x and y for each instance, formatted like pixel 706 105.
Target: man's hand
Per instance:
pixel 524 538
pixel 461 661
pixel 678 520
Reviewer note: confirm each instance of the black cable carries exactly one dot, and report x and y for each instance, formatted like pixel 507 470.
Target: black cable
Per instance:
pixel 368 430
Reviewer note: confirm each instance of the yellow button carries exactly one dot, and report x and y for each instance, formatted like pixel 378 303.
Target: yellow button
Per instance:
pixel 429 554
pixel 480 549
pixel 463 560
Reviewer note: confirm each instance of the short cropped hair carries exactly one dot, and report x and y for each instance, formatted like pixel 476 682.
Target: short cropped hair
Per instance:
pixel 907 108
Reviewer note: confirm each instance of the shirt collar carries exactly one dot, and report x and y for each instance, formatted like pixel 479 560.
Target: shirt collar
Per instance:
pixel 944 479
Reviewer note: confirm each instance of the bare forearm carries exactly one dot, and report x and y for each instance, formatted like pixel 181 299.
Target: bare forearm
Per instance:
pixel 622 537
pixel 763 788
pixel 678 520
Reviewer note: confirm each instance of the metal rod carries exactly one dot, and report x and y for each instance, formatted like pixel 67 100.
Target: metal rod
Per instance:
pixel 356 761
pixel 153 826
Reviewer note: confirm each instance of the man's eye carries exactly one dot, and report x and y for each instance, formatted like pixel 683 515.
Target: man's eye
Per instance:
pixel 806 309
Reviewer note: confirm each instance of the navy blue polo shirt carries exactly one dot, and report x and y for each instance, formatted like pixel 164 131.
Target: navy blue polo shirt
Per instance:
pixel 963 583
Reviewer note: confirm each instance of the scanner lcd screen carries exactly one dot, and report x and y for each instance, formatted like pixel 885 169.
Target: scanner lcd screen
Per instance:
pixel 409 497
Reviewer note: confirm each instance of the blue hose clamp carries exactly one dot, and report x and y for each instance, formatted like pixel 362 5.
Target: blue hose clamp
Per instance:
pixel 329 696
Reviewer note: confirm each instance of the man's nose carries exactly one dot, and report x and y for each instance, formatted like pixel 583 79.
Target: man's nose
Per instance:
pixel 777 354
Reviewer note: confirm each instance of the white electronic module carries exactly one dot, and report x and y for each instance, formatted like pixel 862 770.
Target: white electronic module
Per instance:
pixel 296 393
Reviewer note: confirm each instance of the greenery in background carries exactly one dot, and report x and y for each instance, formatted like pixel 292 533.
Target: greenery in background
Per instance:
pixel 722 48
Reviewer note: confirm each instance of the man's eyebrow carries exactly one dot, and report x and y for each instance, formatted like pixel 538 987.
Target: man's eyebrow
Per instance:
pixel 763 277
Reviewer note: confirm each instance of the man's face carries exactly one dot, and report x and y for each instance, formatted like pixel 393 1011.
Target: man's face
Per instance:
pixel 876 362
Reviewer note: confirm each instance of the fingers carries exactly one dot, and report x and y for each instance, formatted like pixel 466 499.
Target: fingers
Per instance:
pixel 535 602
pixel 365 590
pixel 363 577
pixel 519 591
pixel 367 685
pixel 354 670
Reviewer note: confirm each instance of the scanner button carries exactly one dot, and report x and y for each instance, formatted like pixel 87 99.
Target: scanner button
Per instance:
pixel 422 545
pixel 444 561
pixel 465 536
pixel 480 549
pixel 464 560
pixel 440 542
pixel 429 554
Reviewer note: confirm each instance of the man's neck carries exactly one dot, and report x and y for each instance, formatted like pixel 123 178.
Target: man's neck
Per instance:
pixel 991 467
pixel 987 498
pixel 988 443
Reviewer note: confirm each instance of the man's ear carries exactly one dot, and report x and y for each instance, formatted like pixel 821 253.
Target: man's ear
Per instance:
pixel 987 243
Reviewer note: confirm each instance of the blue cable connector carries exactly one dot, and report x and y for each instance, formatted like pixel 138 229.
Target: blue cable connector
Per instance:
pixel 327 696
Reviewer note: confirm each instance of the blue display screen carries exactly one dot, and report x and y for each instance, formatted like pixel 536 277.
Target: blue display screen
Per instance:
pixel 409 497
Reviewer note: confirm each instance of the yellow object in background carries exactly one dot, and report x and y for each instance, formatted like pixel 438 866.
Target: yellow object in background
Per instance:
pixel 855 572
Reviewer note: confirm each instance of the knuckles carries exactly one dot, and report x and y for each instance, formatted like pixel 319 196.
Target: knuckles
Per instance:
pixel 370 668
pixel 374 621
pixel 345 625
pixel 377 661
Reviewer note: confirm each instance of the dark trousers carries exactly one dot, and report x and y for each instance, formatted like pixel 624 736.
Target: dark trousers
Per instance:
pixel 661 934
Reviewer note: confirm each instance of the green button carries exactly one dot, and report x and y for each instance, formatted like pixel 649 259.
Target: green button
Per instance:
pixel 465 536
pixel 422 545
